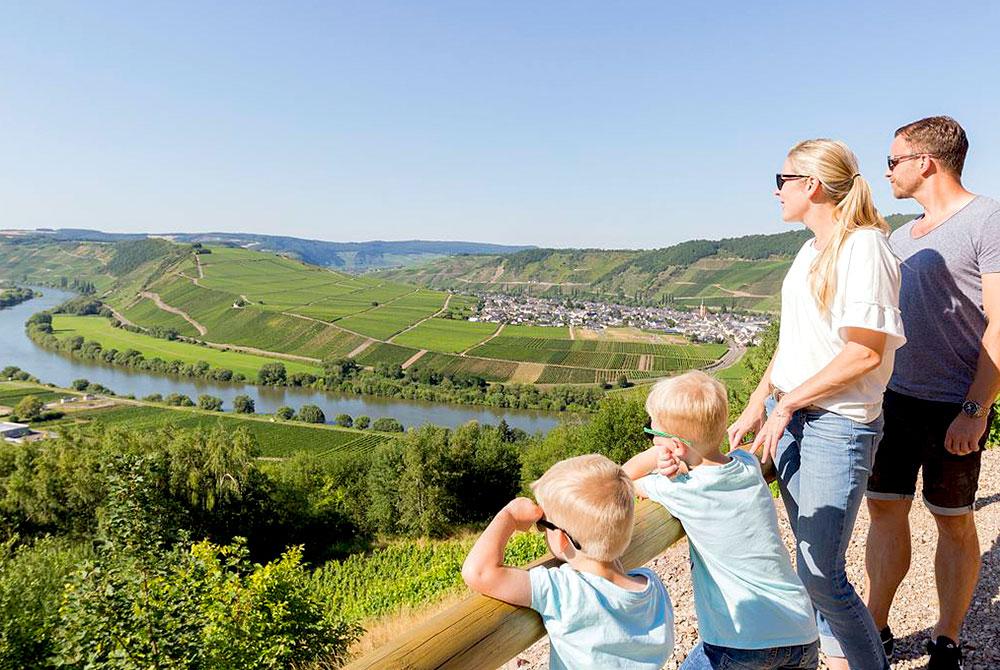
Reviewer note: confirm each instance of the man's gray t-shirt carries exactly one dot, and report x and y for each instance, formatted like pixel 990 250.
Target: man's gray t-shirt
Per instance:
pixel 941 300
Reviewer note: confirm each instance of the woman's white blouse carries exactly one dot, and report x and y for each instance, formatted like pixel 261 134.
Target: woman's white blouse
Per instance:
pixel 867 296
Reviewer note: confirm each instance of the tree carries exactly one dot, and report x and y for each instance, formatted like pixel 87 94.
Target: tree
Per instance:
pixel 30 407
pixel 311 414
pixel 210 402
pixel 362 422
pixel 272 374
pixel 285 413
pixel 243 404
pixel 344 420
pixel 80 384
pixel 623 382
pixel 178 400
pixel 387 424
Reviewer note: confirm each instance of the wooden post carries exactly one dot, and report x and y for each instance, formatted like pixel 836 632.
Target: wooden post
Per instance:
pixel 481 633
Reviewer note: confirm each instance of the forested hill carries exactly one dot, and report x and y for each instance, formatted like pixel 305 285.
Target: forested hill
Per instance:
pixel 348 256
pixel 744 272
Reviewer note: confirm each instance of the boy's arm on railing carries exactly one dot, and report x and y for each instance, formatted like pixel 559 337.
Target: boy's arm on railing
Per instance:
pixel 484 571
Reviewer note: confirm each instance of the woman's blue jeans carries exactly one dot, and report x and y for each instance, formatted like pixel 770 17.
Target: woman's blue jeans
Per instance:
pixel 823 462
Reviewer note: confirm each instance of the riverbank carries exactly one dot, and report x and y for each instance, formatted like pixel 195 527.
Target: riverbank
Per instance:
pixel 15 295
pixel 62 369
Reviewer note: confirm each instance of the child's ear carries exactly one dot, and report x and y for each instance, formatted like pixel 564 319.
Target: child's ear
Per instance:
pixel 679 449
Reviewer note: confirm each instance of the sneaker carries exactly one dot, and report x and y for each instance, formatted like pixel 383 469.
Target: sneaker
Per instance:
pixel 946 654
pixel 888 642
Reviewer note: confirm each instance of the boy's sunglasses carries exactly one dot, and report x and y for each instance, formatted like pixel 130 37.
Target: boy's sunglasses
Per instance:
pixel 893 161
pixel 658 433
pixel 780 179
pixel 545 523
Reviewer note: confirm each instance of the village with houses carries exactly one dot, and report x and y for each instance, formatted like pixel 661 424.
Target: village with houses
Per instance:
pixel 699 324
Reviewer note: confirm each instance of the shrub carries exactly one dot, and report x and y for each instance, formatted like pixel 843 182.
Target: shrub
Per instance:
pixel 362 422
pixel 387 424
pixel 29 407
pixel 210 402
pixel 344 420
pixel 178 400
pixel 311 414
pixel 153 397
pixel 80 384
pixel 243 404
pixel 272 374
pixel 285 413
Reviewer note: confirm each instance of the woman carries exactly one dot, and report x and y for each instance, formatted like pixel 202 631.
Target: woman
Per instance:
pixel 822 392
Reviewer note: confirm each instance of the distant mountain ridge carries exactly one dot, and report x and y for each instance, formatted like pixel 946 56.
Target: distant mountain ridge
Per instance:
pixel 736 272
pixel 350 256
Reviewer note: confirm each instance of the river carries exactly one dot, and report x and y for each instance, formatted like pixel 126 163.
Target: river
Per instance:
pixel 61 369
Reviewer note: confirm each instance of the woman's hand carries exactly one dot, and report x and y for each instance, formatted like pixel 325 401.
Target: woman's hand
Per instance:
pixel 770 434
pixel 750 421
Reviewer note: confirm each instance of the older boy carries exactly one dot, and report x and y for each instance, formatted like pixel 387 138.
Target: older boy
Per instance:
pixel 753 611
pixel 596 614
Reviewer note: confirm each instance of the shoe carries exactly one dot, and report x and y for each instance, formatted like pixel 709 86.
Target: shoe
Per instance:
pixel 888 642
pixel 946 654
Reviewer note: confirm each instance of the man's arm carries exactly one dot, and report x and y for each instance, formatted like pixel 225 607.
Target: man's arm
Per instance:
pixel 965 432
pixel 484 571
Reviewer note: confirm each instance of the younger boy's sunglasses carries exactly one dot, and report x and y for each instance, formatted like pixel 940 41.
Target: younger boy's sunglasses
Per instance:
pixel 780 179
pixel 545 523
pixel 658 433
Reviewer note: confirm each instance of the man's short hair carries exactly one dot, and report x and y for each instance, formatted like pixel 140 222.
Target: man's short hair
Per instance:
pixel 693 405
pixel 941 136
pixel 592 499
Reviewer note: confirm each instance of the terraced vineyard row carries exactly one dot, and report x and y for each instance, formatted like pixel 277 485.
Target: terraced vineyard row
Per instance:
pixel 599 354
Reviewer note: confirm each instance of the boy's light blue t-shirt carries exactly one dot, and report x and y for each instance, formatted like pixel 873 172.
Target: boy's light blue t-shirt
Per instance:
pixel 746 593
pixel 593 623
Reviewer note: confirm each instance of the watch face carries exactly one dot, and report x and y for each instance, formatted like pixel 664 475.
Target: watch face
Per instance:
pixel 971 408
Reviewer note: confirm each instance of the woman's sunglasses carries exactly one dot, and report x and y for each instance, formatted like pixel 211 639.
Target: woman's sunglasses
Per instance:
pixel 780 179
pixel 545 523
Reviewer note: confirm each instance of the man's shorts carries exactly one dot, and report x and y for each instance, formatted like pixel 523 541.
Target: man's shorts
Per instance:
pixel 913 438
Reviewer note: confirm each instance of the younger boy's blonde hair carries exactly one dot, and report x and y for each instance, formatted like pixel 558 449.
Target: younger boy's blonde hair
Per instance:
pixel 692 405
pixel 592 499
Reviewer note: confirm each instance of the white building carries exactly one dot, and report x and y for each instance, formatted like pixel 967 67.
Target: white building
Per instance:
pixel 14 431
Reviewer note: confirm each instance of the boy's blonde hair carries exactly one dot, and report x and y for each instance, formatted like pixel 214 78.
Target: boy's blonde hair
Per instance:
pixel 692 405
pixel 592 499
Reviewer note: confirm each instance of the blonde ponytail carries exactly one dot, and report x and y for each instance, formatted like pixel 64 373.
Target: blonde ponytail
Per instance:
pixel 836 168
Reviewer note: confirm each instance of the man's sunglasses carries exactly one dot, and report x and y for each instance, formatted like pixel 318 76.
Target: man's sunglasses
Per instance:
pixel 650 431
pixel 545 523
pixel 893 161
pixel 780 179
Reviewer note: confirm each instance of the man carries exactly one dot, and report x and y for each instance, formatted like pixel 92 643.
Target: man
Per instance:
pixel 938 405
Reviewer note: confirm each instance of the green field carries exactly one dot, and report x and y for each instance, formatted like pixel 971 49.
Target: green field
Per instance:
pixel 446 335
pixel 11 393
pixel 100 329
pixel 276 439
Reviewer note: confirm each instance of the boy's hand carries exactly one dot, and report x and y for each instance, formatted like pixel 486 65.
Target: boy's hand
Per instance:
pixel 524 513
pixel 667 462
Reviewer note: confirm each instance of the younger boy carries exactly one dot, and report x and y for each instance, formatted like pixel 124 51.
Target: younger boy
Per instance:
pixel 596 614
pixel 753 611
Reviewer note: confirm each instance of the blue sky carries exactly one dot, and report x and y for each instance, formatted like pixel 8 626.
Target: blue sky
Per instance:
pixel 600 124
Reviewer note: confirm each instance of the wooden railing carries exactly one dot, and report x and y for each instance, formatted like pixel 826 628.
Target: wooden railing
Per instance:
pixel 483 633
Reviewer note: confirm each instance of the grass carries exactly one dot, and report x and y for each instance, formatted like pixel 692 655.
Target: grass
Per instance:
pixel 446 335
pixel 11 393
pixel 276 439
pixel 100 329
pixel 547 332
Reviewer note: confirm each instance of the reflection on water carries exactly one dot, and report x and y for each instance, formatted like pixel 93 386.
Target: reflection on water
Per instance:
pixel 61 369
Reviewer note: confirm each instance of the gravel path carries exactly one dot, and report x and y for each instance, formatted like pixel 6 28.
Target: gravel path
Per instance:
pixel 915 609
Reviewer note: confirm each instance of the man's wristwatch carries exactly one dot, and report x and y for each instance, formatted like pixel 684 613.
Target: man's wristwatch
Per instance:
pixel 973 409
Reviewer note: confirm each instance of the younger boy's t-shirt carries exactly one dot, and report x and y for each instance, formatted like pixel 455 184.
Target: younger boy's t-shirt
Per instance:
pixel 746 593
pixel 593 623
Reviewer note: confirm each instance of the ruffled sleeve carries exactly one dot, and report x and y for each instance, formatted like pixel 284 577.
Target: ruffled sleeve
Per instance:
pixel 869 295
